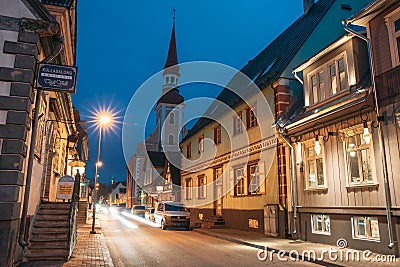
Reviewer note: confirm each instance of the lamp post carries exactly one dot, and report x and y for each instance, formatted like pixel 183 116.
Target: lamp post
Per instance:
pixel 102 120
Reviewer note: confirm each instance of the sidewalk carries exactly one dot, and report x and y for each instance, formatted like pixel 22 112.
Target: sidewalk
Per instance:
pixel 90 250
pixel 298 249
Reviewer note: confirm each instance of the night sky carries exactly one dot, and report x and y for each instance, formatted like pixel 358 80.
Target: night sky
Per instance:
pixel 123 43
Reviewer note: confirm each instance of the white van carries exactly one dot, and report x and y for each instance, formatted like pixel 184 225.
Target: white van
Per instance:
pixel 172 214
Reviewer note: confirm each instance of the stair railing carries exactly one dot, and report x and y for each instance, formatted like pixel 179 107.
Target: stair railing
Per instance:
pixel 72 217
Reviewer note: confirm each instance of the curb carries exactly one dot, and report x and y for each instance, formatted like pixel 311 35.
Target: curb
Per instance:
pixel 242 242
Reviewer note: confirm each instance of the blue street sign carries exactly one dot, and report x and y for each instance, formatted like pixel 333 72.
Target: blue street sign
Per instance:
pixel 56 77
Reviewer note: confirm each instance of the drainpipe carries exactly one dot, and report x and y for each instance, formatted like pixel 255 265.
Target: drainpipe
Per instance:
pixel 293 181
pixel 380 135
pixel 297 77
pixel 57 37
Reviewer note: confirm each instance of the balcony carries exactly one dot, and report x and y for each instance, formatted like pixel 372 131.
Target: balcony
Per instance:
pixel 388 84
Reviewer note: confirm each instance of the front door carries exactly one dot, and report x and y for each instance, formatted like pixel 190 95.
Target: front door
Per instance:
pixel 218 193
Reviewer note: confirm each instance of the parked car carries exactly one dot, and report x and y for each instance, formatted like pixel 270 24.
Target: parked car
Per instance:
pixel 149 214
pixel 172 214
pixel 138 210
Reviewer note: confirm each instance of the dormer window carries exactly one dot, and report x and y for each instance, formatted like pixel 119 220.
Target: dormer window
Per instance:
pixel 393 25
pixel 328 80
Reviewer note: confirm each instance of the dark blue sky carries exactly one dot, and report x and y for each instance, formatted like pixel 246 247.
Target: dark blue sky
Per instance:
pixel 123 43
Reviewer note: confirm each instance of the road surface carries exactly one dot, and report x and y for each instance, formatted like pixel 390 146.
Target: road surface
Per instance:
pixel 134 241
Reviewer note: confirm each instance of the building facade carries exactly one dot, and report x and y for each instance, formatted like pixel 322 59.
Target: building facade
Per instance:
pixel 345 135
pixel 32 31
pixel 247 182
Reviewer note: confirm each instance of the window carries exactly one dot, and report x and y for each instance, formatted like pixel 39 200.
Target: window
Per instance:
pixel 217 135
pixel 366 228
pixel 251 117
pixel 254 177
pixel 315 177
pixel 171 118
pixel 393 25
pixel 328 80
pixel 170 139
pixel 188 188
pixel 237 123
pixel 189 150
pixel 320 224
pixel 359 157
pixel 201 186
pixel 239 182
pixel 201 144
pixel 40 129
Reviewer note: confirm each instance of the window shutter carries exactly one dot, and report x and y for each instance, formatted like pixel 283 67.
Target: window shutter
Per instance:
pixel 205 186
pixel 263 182
pixel 246 180
pixel 248 118
pixel 231 183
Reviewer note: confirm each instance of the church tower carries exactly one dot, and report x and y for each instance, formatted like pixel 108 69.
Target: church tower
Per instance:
pixel 170 106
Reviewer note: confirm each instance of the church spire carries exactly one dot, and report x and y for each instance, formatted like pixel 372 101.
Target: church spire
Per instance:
pixel 172 59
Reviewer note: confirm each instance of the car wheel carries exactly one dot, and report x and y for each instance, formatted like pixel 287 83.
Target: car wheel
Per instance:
pixel 163 225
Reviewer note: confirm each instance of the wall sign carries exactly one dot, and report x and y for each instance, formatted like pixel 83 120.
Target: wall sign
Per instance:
pixel 56 77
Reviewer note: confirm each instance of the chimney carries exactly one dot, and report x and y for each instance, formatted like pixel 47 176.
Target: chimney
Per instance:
pixel 307 4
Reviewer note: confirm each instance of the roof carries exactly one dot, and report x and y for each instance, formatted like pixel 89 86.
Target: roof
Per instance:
pixel 171 97
pixel 172 58
pixel 156 158
pixel 64 3
pixel 297 115
pixel 268 65
pixel 371 10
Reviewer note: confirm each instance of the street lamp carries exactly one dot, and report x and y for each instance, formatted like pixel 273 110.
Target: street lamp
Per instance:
pixel 103 120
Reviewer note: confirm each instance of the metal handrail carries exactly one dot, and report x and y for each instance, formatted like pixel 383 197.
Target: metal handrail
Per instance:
pixel 72 217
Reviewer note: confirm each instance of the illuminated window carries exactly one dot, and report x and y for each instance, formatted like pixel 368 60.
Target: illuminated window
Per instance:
pixel 366 228
pixel 314 166
pixel 359 157
pixel 321 224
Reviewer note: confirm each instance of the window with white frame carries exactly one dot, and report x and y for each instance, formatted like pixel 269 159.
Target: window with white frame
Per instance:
pixel 188 188
pixel 254 176
pixel 393 25
pixel 237 123
pixel 320 224
pixel 201 144
pixel 314 166
pixel 359 157
pixel 201 186
pixel 239 182
pixel 328 80
pixel 366 228
pixel 217 134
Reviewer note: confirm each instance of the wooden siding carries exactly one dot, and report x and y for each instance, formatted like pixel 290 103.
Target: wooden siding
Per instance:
pixel 380 43
pixel 338 194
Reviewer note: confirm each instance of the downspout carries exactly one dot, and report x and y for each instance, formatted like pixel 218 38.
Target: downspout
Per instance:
pixel 293 181
pixel 380 137
pixel 297 77
pixel 57 37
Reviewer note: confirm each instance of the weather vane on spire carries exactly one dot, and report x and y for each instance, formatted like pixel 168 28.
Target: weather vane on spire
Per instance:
pixel 173 12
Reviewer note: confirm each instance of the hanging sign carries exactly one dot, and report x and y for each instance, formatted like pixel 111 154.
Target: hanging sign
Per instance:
pixel 65 187
pixel 56 77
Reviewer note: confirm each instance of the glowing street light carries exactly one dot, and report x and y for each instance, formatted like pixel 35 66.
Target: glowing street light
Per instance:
pixel 103 120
